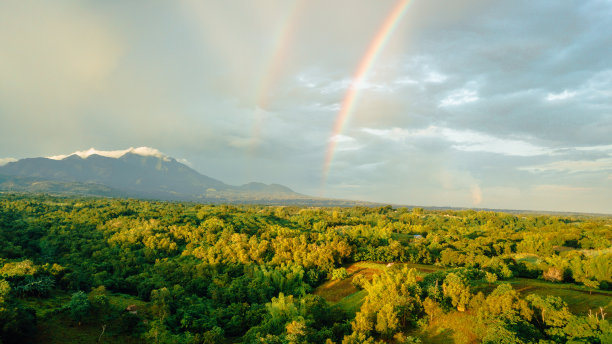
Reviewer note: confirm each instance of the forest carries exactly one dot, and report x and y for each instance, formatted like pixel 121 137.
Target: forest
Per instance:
pixel 101 270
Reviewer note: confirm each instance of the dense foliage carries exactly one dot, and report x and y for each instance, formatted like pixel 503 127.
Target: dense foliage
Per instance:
pixel 212 273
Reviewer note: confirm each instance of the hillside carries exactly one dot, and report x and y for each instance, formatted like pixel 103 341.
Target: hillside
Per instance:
pixel 134 173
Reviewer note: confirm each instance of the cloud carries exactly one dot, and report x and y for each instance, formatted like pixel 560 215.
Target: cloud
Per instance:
pixel 465 140
pixel 572 166
pixel 338 87
pixel 185 162
pixel 457 98
pixel 4 161
pixel 144 151
pixel 460 97
pixel 551 97
pixel 435 77
pixel 561 188
pixel 601 148
pixel 345 143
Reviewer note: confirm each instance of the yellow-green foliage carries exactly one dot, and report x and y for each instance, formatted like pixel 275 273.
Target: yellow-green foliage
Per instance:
pixel 391 305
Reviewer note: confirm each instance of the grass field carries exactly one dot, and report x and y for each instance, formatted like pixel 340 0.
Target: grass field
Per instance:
pixel 352 303
pixel 335 291
pixel 453 327
pixel 578 298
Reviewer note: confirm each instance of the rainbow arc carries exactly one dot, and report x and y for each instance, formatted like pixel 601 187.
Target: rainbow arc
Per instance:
pixel 359 77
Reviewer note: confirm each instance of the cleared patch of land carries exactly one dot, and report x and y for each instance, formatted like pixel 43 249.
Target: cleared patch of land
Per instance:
pixel 453 327
pixel 334 291
pixel 579 299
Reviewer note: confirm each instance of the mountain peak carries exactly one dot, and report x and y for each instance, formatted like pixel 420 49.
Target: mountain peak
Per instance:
pixel 143 151
pixel 134 172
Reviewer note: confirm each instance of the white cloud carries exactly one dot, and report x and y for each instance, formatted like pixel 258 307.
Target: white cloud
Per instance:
pixel 551 97
pixel 406 81
pixel 600 148
pixel 4 161
pixel 573 166
pixel 371 166
pixel 560 188
pixel 318 107
pixel 394 134
pixel 465 140
pixel 471 141
pixel 342 138
pixel 460 97
pixel 329 86
pixel 345 143
pixel 144 151
pixel 597 86
pixel 185 162
pixel 435 77
pixel 340 86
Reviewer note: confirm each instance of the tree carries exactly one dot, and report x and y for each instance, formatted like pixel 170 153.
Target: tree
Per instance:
pixel 490 277
pixel 591 284
pixel 505 303
pixel 359 281
pixel 432 308
pixel 79 306
pixel 160 301
pixel 455 289
pixel 339 274
pixel 5 290
pixel 386 320
pixel 553 274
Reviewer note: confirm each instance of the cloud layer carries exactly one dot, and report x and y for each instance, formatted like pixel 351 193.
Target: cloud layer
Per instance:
pixel 470 103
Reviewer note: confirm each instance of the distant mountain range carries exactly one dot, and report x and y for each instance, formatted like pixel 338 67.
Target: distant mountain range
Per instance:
pixel 135 172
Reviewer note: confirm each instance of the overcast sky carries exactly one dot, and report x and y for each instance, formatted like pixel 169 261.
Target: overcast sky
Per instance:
pixel 469 103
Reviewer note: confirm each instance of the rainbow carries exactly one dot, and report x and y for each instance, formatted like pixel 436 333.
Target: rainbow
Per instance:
pixel 273 69
pixel 350 98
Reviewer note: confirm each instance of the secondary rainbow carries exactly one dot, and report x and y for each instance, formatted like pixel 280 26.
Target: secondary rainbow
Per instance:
pixel 273 69
pixel 348 103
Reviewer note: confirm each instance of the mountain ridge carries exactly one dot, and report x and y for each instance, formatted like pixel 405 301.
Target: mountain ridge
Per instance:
pixel 134 172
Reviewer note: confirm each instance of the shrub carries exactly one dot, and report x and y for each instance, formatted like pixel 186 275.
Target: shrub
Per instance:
pixel 553 274
pixel 339 274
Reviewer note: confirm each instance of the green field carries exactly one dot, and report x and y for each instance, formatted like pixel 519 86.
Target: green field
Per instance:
pixel 579 299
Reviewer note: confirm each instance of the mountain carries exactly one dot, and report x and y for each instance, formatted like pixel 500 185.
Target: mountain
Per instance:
pixel 135 172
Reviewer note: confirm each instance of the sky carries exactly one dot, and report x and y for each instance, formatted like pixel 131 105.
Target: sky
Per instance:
pixel 473 103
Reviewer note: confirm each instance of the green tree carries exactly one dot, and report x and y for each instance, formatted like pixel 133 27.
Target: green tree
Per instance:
pixel 339 274
pixel 457 290
pixel 490 277
pixel 79 306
